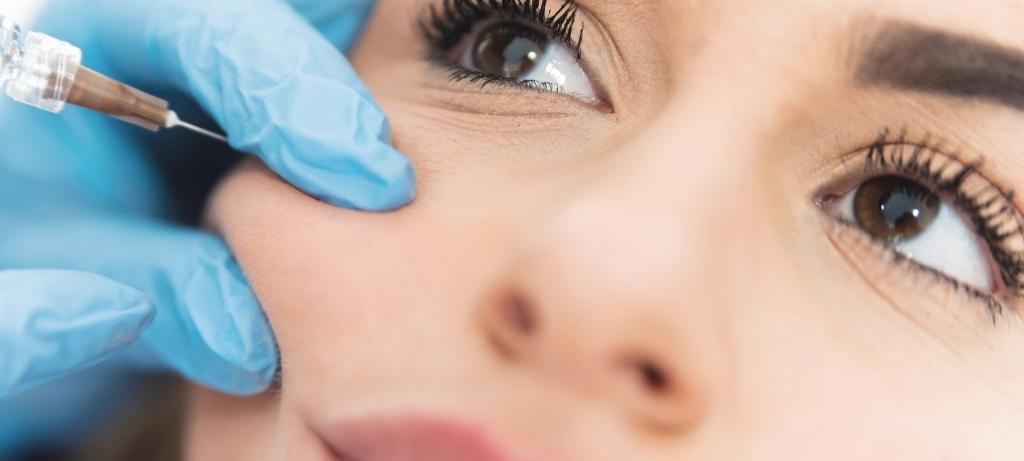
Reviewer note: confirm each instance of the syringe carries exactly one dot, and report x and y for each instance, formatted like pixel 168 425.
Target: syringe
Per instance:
pixel 46 73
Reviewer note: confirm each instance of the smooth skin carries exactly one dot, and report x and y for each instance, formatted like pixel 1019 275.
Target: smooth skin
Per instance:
pixel 681 229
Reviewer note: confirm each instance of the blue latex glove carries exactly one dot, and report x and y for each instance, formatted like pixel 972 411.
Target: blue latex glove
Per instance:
pixel 84 193
pixel 55 307
pixel 180 302
pixel 279 88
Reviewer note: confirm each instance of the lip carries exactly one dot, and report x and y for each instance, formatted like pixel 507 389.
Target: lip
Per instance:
pixel 411 438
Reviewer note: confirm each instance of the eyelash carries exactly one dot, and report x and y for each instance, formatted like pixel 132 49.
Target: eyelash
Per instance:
pixel 884 249
pixel 446 26
pixel 989 208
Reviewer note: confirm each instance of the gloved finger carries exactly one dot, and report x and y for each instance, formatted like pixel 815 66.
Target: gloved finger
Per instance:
pixel 339 21
pixel 209 326
pixel 53 323
pixel 277 87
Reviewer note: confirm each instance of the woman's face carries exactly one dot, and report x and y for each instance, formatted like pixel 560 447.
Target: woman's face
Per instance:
pixel 743 230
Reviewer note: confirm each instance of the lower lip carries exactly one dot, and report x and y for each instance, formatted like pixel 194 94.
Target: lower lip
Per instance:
pixel 410 438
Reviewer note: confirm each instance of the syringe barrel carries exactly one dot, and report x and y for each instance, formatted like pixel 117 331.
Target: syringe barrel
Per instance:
pixel 46 73
pixel 100 93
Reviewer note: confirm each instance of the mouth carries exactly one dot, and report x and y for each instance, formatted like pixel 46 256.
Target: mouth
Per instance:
pixel 411 438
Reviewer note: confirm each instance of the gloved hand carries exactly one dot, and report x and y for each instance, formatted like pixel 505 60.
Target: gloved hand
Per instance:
pixel 54 308
pixel 278 87
pixel 175 295
pixel 89 194
pixel 179 303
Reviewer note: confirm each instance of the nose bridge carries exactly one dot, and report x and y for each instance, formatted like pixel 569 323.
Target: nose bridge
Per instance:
pixel 674 202
pixel 674 198
pixel 641 270
pixel 676 206
pixel 628 276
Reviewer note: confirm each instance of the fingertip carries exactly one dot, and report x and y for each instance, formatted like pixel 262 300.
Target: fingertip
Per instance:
pixel 229 345
pixel 399 187
pixel 59 322
pixel 135 312
pixel 391 185
pixel 112 313
pixel 78 296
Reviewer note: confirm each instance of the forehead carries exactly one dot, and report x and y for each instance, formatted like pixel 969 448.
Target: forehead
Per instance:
pixel 773 31
pixel 672 20
pixel 998 18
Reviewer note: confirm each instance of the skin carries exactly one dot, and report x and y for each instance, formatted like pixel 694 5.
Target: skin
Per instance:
pixel 679 229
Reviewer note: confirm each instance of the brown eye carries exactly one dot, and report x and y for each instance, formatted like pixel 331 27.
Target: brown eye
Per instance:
pixel 508 50
pixel 894 208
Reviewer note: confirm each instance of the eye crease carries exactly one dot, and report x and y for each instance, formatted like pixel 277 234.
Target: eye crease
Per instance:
pixel 517 43
pixel 936 211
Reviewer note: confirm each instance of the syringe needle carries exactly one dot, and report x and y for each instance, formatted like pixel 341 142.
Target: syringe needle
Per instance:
pixel 46 73
pixel 174 121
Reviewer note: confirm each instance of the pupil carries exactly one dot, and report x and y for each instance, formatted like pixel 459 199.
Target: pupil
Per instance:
pixel 509 50
pixel 899 209
pixel 895 208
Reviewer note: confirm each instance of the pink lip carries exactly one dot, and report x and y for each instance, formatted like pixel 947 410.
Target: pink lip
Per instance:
pixel 411 438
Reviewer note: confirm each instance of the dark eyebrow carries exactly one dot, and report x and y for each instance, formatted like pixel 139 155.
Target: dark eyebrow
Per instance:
pixel 916 58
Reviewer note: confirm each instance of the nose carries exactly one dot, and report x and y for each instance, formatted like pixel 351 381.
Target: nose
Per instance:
pixel 620 295
pixel 569 313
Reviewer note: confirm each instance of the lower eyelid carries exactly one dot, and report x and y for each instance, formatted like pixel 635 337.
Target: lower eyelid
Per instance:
pixel 987 279
pixel 498 101
pixel 912 289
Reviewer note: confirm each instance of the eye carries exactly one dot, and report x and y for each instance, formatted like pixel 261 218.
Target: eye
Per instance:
pixel 508 50
pixel 522 43
pixel 918 224
pixel 512 51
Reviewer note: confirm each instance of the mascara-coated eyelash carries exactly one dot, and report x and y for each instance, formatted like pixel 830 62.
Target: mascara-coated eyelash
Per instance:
pixel 520 44
pixel 974 245
pixel 446 24
pixel 989 208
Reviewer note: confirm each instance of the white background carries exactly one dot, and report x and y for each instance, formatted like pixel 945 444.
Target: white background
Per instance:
pixel 21 11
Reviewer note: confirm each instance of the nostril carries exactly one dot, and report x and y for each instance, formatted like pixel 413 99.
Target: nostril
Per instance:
pixel 520 315
pixel 653 394
pixel 510 324
pixel 653 377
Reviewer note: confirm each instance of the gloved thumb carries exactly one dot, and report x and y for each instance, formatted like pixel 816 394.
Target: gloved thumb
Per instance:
pixel 279 89
pixel 53 323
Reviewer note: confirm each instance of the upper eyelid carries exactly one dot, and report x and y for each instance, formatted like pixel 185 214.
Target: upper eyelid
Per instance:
pixel 932 147
pixel 927 142
pixel 561 22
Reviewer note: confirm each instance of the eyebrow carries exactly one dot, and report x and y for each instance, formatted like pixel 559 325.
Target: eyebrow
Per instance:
pixel 915 58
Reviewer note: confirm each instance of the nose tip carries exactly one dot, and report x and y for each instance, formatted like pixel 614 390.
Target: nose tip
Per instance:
pixel 637 381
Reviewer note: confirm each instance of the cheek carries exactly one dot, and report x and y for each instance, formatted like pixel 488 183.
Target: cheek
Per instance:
pixel 337 283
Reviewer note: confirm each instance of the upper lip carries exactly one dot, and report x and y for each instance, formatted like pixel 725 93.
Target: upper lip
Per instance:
pixel 411 437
